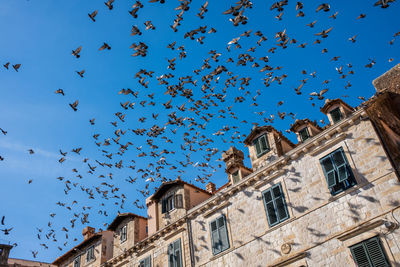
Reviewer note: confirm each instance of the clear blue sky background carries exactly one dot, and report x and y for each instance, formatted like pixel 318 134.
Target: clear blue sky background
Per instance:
pixel 41 35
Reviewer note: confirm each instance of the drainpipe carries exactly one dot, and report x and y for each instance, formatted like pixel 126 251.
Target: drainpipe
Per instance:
pixel 191 249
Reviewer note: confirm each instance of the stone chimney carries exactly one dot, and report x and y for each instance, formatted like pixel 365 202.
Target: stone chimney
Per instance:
pixel 210 187
pixel 88 232
pixel 234 165
pixel 4 252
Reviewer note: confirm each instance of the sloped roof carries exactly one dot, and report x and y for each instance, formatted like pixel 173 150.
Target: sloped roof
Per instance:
pixel 330 102
pixel 267 128
pixel 298 123
pixel 167 185
pixel 120 217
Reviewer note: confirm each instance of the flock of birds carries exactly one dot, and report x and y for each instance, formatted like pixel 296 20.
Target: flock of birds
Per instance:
pixel 191 116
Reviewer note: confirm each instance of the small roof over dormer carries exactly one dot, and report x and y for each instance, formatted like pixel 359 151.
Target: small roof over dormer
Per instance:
pixel 299 123
pixel 120 217
pixel 267 128
pixel 331 103
pixel 167 185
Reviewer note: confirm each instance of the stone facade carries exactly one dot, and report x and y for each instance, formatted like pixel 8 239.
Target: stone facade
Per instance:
pixel 319 226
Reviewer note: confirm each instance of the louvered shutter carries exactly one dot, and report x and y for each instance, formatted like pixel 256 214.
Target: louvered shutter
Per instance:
pixel 257 146
pixel 375 252
pixel 329 171
pixel 178 201
pixel 264 143
pixel 223 233
pixel 163 205
pixel 269 206
pixel 360 255
pixel 214 237
pixel 280 203
pixel 341 165
pixel 171 256
pixel 177 248
pixel 147 262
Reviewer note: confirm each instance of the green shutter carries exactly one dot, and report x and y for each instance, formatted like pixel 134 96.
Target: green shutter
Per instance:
pixel 147 262
pixel 329 170
pixel 341 165
pixel 178 256
pixel 280 203
pixel 360 255
pixel 275 205
pixel 223 233
pixel 171 259
pixel 375 252
pixel 178 201
pixel 214 237
pixel 257 146
pixel 264 143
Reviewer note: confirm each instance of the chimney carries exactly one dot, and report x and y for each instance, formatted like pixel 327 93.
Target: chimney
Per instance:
pixel 235 168
pixel 88 232
pixel 210 187
pixel 4 252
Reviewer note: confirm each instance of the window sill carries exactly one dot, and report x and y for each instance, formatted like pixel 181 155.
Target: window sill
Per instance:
pixel 222 253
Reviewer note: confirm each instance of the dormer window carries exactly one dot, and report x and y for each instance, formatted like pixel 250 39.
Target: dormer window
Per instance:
pixel 123 234
pixel 168 204
pixel 336 115
pixel 261 145
pixel 304 134
pixel 235 177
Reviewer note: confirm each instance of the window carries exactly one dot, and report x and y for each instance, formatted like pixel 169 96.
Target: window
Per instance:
pixel 123 234
pixel 174 254
pixel 261 145
pixel 145 262
pixel 235 177
pixel 275 205
pixel 336 115
pixel 90 254
pixel 171 202
pixel 337 171
pixel 77 261
pixel 369 253
pixel 304 134
pixel 219 235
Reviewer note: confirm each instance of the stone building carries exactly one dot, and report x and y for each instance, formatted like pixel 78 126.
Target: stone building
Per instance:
pixel 332 199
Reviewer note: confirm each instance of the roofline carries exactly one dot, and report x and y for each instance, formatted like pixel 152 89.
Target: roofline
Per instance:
pixel 125 214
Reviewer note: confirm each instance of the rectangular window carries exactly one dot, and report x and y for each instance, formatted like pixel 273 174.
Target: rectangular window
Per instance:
pixel 369 253
pixel 145 262
pixel 175 254
pixel 304 134
pixel 77 261
pixel 275 205
pixel 336 115
pixel 123 234
pixel 338 174
pixel 219 235
pixel 167 204
pixel 235 177
pixel 90 254
pixel 261 145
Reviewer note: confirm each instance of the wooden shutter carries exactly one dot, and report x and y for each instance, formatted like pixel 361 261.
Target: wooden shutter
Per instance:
pixel 369 253
pixel 375 252
pixel 178 201
pixel 341 165
pixel 214 237
pixel 147 262
pixel 329 170
pixel 223 233
pixel 163 205
pixel 171 256
pixel 177 254
pixel 280 203
pixel 269 207
pixel 257 146
pixel 264 143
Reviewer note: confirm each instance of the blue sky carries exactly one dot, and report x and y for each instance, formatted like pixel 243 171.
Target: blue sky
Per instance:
pixel 40 35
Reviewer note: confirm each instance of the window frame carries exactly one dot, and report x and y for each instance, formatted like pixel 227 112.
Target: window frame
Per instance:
pixel 308 134
pixel 91 248
pixel 273 201
pixel 175 248
pixel 365 250
pixel 257 141
pixel 339 112
pixel 339 185
pixel 237 175
pixel 225 229
pixel 123 232
pixel 142 262
pixel 77 261
pixel 168 203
